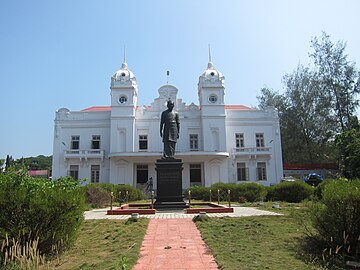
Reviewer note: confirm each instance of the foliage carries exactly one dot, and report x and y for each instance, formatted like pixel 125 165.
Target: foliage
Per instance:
pixel 223 189
pixel 336 217
pixel 98 194
pixel 339 78
pixel 251 192
pixel 198 193
pixel 34 208
pixel 135 194
pixel 318 102
pixel 292 192
pixel 349 144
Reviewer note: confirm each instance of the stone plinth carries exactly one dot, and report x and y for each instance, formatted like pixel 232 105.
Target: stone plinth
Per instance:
pixel 169 184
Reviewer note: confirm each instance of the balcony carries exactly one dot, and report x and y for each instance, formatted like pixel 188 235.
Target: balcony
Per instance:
pixel 252 152
pixel 84 154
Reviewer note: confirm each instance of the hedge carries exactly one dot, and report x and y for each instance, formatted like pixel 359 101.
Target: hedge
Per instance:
pixel 336 216
pixel 292 192
pixel 33 208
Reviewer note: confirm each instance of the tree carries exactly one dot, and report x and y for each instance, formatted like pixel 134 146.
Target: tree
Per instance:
pixel 339 78
pixel 2 162
pixel 318 102
pixel 349 142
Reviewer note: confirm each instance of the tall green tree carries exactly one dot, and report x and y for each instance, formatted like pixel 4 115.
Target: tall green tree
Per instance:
pixel 340 79
pixel 318 102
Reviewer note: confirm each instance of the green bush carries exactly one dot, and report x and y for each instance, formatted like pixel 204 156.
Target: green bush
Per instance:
pixel 198 193
pixel 336 216
pixel 293 192
pixel 250 192
pixel 33 208
pixel 135 194
pixel 98 194
pixel 223 191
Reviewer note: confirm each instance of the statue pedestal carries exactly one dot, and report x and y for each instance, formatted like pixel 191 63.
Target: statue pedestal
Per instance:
pixel 169 184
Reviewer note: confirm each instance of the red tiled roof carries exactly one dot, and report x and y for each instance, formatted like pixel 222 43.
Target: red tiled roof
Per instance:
pixel 313 166
pixel 97 109
pixel 237 107
pixel 38 172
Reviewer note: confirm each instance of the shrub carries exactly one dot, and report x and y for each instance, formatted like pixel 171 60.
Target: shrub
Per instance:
pixel 223 191
pixel 33 208
pixel 135 194
pixel 98 194
pixel 249 192
pixel 293 192
pixel 336 216
pixel 198 193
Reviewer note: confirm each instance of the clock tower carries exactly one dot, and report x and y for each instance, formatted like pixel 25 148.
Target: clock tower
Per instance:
pixel 211 91
pixel 124 91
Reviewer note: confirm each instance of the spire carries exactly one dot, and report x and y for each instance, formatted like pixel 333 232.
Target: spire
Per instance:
pixel 209 54
pixel 124 64
pixel 124 55
pixel 210 64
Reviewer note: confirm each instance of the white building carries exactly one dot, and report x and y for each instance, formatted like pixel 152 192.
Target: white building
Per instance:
pixel 120 143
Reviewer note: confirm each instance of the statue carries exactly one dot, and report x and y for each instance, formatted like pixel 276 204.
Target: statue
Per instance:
pixel 169 130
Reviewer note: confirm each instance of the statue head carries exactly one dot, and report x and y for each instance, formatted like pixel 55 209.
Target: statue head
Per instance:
pixel 170 105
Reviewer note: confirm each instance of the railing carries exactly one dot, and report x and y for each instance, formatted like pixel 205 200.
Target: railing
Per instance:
pixel 88 153
pixel 252 150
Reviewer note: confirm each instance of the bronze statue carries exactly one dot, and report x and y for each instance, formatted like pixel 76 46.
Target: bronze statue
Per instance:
pixel 169 130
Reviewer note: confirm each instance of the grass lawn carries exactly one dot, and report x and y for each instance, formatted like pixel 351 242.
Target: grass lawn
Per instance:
pixel 100 245
pixel 265 242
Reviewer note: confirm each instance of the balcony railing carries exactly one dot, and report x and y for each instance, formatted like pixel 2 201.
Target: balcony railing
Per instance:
pixel 252 150
pixel 84 154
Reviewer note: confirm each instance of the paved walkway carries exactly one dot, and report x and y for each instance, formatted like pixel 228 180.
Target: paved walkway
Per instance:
pixel 238 212
pixel 174 244
pixel 172 240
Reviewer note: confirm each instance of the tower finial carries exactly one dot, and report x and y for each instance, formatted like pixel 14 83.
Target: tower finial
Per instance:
pixel 124 55
pixel 209 54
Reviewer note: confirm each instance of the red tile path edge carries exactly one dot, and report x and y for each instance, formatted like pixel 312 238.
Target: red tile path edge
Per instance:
pixel 174 244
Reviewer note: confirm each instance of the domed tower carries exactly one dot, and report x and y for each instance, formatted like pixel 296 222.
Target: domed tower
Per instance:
pixel 124 91
pixel 211 91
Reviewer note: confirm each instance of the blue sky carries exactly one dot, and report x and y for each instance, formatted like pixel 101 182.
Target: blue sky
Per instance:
pixel 57 54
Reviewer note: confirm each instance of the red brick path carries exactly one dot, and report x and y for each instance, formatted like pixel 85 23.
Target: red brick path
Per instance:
pixel 174 244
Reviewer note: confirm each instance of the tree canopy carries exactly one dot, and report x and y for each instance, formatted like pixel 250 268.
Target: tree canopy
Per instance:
pixel 317 104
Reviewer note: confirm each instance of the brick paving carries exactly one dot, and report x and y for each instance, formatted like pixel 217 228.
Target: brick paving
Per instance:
pixel 174 244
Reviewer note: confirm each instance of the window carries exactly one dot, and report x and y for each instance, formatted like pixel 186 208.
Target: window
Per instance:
pixel 259 140
pixel 74 171
pixel 95 143
pixel 242 172
pixel 239 139
pixel 143 142
pixel 261 171
pixel 95 173
pixel 141 174
pixel 75 142
pixel 195 174
pixel 194 142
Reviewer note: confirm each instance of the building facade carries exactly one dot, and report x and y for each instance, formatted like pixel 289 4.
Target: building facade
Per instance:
pixel 120 143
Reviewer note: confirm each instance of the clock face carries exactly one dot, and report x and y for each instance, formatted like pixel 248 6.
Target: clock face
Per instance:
pixel 213 98
pixel 122 99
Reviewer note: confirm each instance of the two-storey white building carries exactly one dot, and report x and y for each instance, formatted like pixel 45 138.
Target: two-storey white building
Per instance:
pixel 120 143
